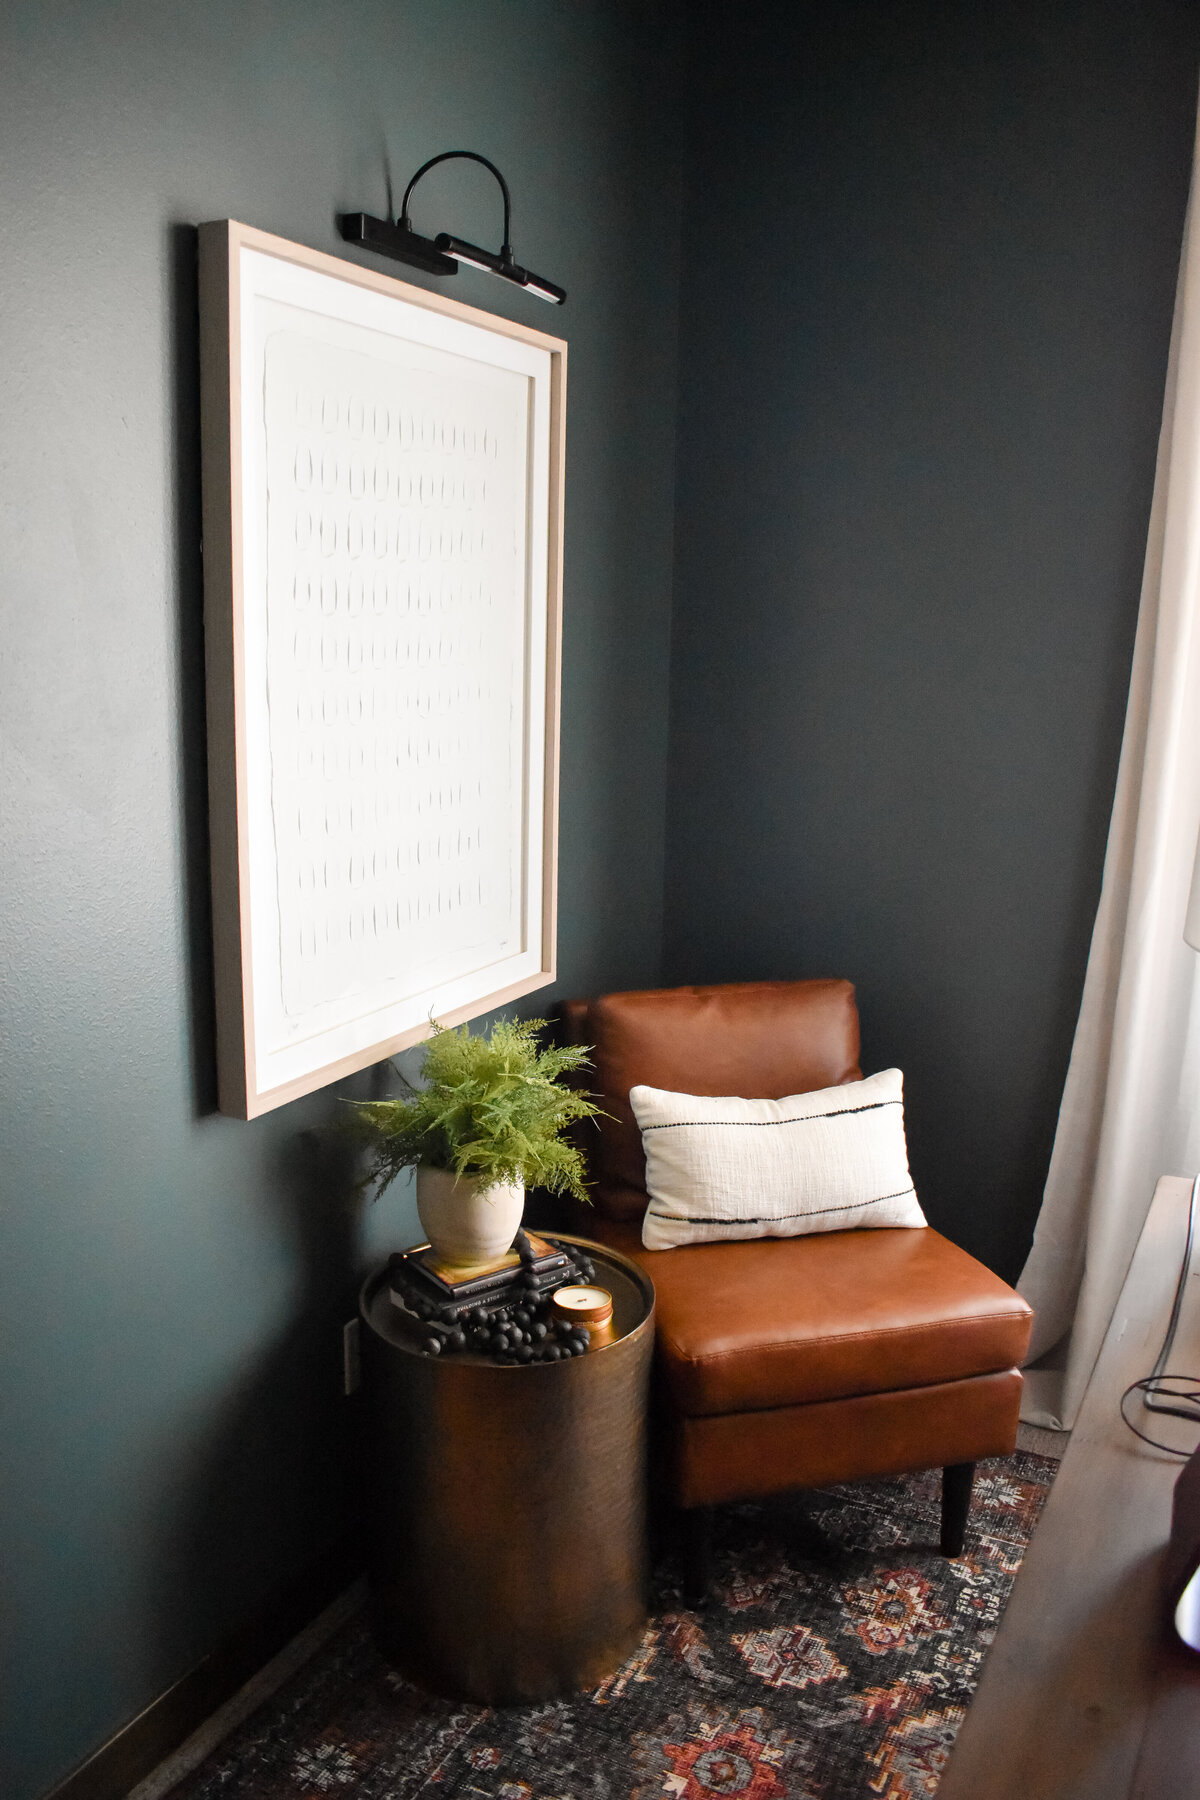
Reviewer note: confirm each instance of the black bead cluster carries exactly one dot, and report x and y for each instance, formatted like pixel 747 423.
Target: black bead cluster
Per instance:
pixel 521 1331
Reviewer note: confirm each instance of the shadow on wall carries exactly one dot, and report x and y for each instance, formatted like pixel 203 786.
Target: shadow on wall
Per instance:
pixel 274 1470
pixel 182 248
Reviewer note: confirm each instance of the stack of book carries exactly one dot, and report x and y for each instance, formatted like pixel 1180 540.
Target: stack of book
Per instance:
pixel 418 1274
pixel 500 1309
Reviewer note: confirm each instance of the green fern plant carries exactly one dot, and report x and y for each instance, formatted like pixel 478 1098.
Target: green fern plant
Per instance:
pixel 492 1105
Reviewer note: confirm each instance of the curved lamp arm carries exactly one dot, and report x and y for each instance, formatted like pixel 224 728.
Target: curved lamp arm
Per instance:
pixel 405 221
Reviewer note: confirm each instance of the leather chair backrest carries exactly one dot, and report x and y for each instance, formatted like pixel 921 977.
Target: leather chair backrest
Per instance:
pixel 756 1039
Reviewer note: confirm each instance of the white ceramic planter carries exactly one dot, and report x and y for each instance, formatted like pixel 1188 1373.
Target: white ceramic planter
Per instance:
pixel 466 1221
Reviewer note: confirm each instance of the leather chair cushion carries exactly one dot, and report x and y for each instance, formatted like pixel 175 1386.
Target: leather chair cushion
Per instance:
pixel 759 1040
pixel 779 1322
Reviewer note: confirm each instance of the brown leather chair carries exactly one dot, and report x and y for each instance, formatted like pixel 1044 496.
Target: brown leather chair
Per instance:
pixel 793 1362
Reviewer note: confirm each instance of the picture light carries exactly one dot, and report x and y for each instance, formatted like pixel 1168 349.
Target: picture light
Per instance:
pixel 442 255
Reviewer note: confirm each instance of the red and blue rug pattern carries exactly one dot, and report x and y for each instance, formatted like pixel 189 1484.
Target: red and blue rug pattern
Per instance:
pixel 834 1661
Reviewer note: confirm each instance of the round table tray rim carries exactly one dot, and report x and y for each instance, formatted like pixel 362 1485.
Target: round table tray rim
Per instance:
pixel 635 1273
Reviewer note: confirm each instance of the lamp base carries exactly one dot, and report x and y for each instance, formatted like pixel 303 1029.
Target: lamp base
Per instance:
pixel 396 241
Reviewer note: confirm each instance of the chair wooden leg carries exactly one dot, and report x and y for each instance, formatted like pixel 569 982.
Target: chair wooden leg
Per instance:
pixel 696 1522
pixel 957 1481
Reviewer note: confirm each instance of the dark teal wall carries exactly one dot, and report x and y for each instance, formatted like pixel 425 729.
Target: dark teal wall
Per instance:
pixel 930 259
pixel 174 1283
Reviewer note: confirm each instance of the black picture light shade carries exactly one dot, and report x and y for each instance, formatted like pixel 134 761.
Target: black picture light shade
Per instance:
pixel 462 251
pixel 442 255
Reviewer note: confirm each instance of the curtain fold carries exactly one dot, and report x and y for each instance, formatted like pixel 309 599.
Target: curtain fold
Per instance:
pixel 1131 1105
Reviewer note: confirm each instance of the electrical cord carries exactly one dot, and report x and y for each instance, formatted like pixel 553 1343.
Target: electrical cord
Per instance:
pixel 1153 1388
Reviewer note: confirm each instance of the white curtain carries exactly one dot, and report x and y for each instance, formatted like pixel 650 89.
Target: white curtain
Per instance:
pixel 1131 1107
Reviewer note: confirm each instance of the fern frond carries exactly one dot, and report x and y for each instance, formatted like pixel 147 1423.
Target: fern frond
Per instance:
pixel 493 1105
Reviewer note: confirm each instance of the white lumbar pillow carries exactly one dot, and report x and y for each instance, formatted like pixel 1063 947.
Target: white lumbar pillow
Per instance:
pixel 826 1161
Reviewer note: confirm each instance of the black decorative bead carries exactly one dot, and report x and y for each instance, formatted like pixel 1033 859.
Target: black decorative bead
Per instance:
pixel 553 1353
pixel 499 1343
pixel 458 1340
pixel 524 1353
pixel 478 1316
pixel 432 1346
pixel 528 1278
pixel 537 1331
pixel 521 1316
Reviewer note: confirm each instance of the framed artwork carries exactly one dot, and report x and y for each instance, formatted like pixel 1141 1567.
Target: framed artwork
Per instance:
pixel 383 496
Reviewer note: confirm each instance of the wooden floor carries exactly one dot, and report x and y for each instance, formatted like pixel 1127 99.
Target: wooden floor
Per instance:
pixel 1083 1696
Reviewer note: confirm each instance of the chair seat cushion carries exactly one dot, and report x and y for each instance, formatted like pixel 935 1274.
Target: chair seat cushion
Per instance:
pixel 782 1321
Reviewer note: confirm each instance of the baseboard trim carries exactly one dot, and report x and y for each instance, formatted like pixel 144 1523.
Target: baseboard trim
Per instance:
pixel 139 1747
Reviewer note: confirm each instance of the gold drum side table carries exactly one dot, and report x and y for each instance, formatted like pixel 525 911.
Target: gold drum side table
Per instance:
pixel 508 1503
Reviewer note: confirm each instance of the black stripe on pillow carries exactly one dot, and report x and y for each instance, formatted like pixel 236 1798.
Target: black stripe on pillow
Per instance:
pixel 838 1112
pixel 775 1218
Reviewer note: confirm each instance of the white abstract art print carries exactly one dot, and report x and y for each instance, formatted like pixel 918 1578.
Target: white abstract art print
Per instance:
pixel 383 499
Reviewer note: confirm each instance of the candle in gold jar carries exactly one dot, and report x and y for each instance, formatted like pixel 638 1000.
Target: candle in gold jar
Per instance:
pixel 590 1307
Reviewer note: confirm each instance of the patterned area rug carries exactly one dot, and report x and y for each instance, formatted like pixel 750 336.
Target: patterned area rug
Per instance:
pixel 835 1660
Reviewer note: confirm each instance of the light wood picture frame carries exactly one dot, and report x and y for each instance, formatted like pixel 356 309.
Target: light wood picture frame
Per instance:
pixel 383 515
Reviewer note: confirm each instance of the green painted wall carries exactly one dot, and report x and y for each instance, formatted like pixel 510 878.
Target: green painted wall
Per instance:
pixel 174 1282
pixel 930 260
